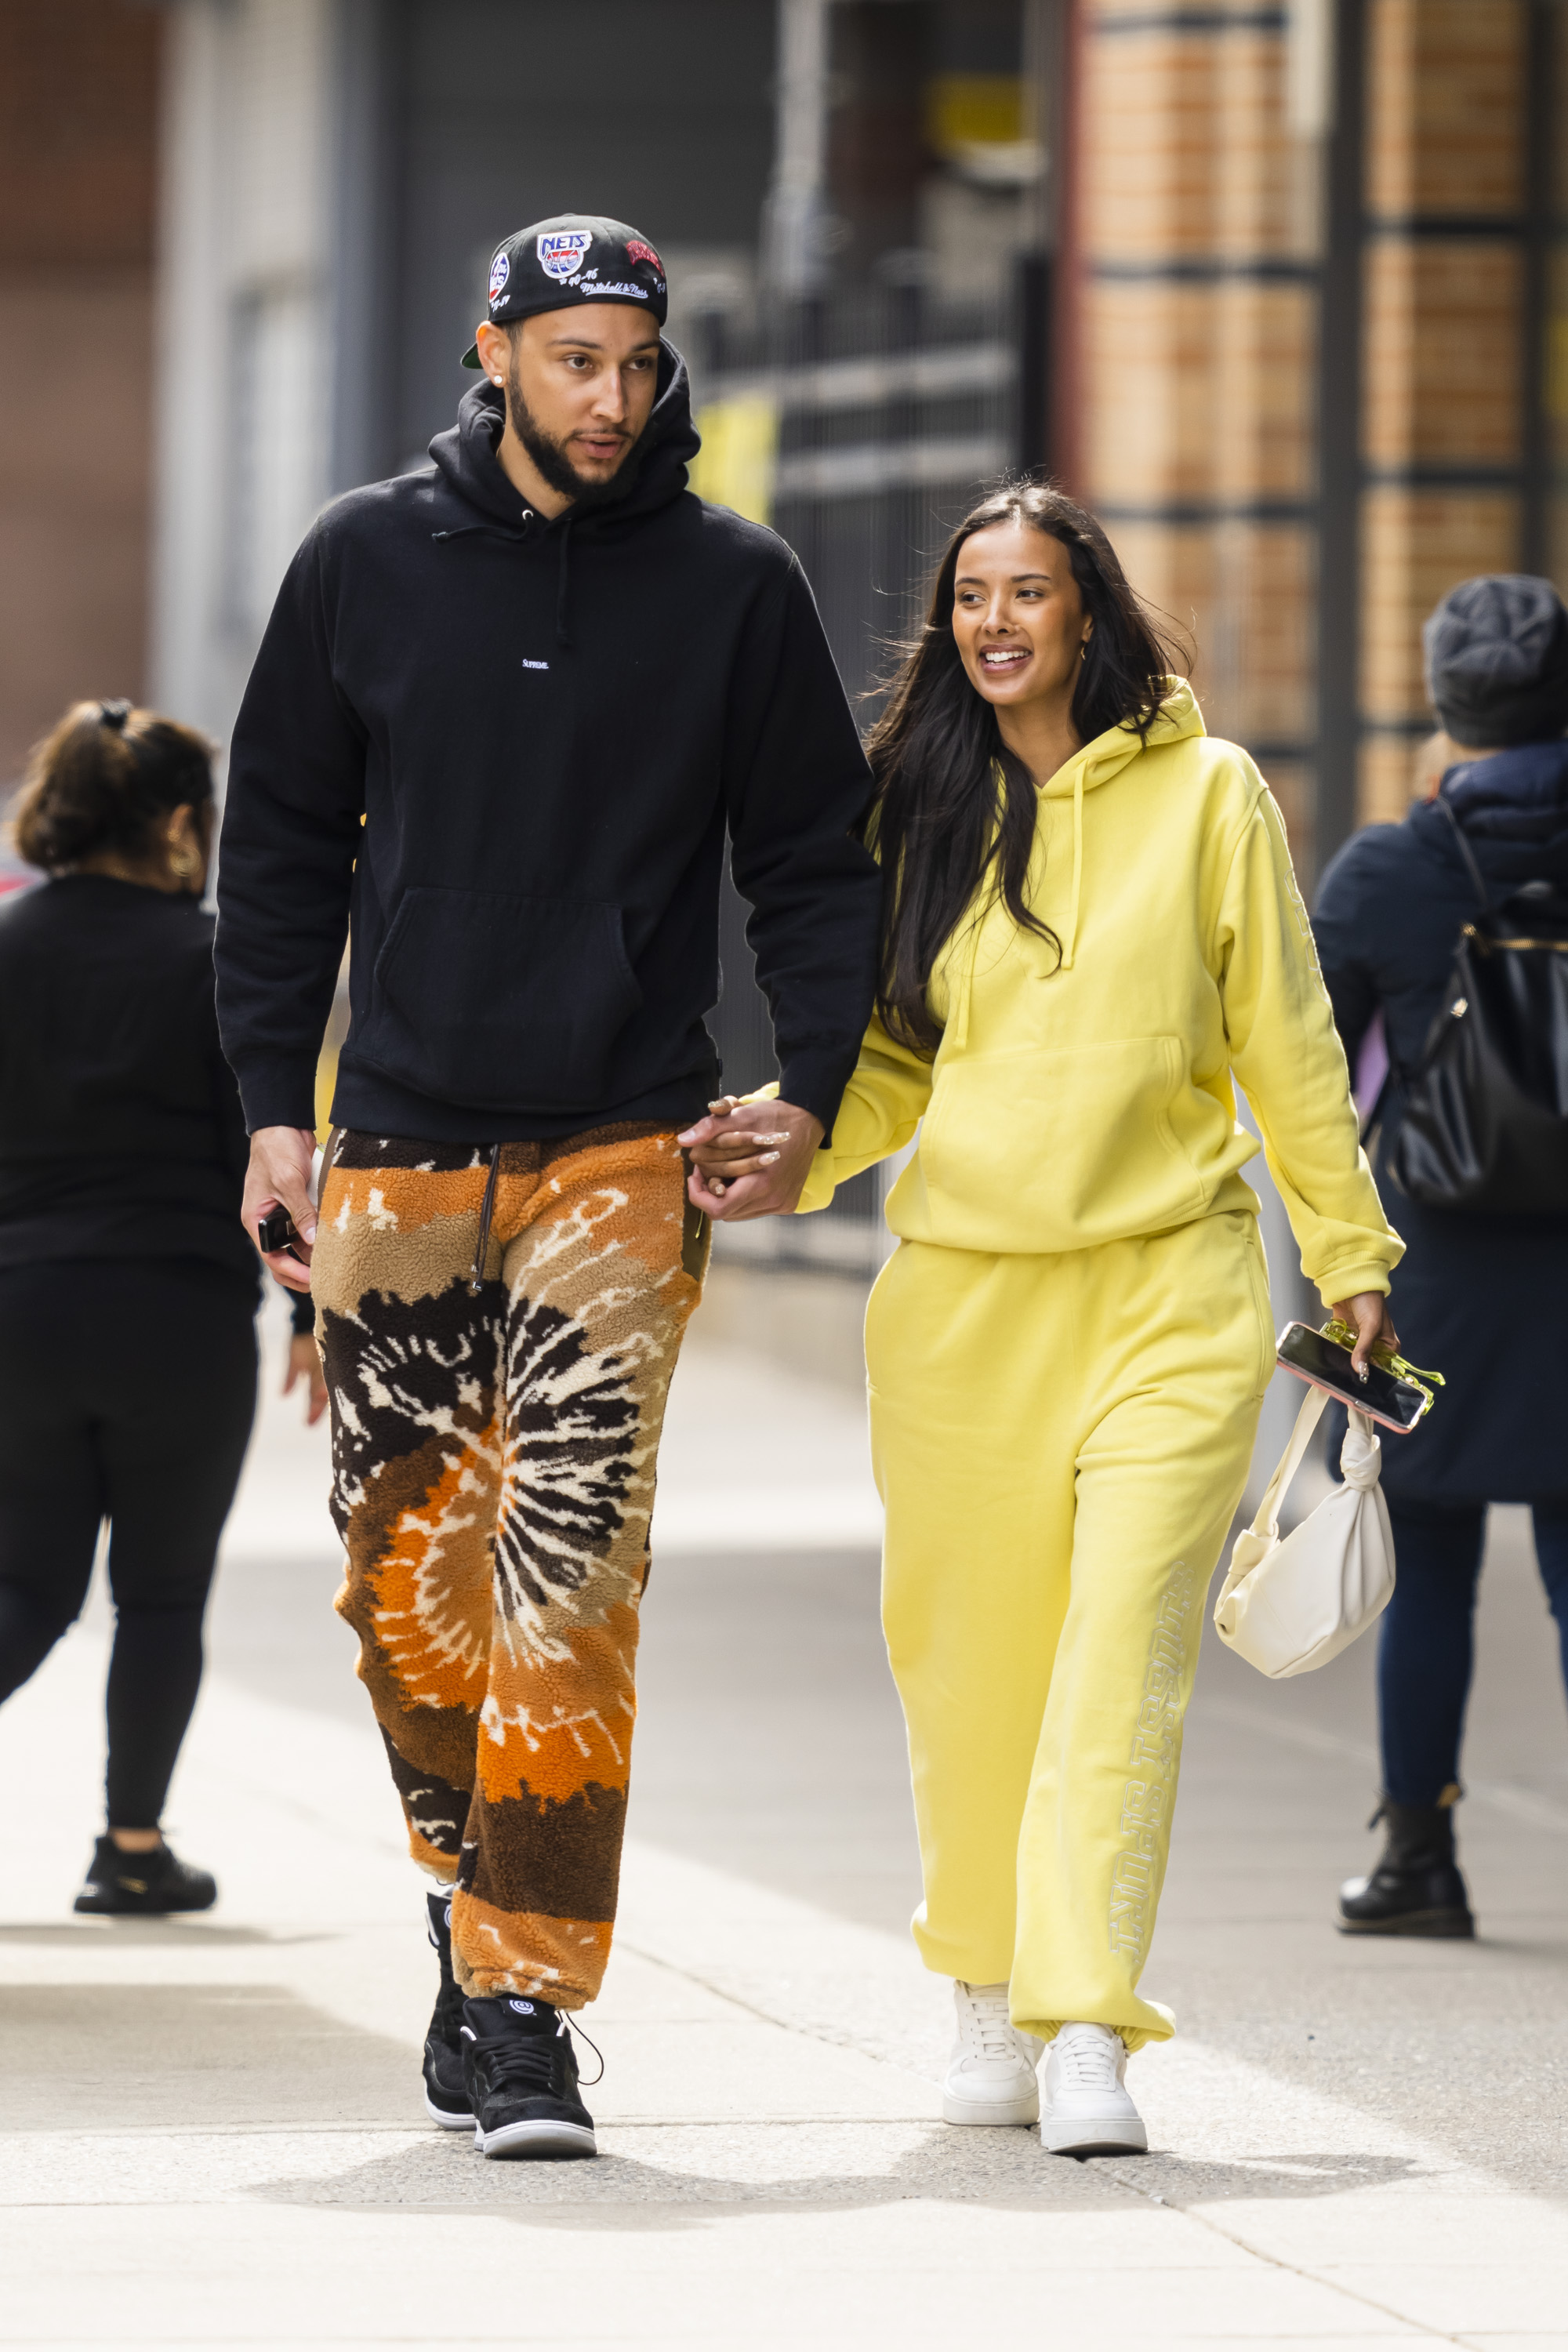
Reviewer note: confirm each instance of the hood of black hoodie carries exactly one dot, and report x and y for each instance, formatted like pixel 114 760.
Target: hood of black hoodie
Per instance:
pixel 465 456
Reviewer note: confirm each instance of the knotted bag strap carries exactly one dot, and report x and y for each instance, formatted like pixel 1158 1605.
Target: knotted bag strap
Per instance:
pixel 1266 1522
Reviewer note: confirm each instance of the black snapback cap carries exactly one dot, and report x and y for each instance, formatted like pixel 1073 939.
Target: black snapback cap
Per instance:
pixel 573 258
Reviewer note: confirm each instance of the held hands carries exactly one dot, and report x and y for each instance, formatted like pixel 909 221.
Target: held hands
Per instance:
pixel 1368 1317
pixel 750 1160
pixel 279 1176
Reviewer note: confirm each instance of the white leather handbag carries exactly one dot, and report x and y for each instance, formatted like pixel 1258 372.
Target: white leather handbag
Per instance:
pixel 1292 1602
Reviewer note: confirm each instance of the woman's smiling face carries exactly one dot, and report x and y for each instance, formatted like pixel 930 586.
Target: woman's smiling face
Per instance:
pixel 1017 616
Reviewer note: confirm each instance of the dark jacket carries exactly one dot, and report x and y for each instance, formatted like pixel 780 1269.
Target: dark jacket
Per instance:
pixel 544 730
pixel 1484 1300
pixel 120 1132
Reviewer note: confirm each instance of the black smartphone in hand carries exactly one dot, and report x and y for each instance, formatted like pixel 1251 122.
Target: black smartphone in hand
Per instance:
pixel 1322 1364
pixel 277 1230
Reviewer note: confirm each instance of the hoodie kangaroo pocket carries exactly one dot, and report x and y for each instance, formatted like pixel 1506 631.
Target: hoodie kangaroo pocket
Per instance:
pixel 1050 1149
pixel 501 1003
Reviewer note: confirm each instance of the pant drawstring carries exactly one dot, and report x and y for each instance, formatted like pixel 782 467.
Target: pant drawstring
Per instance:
pixel 487 1211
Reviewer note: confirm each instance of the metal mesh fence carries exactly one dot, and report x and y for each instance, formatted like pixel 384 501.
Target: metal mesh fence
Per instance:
pixel 861 425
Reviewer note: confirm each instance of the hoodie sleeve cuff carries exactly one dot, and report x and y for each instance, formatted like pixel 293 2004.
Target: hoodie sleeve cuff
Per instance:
pixel 1348 1281
pixel 815 1080
pixel 277 1096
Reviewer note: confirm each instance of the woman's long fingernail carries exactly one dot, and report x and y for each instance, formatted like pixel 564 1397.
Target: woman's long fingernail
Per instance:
pixel 768 1158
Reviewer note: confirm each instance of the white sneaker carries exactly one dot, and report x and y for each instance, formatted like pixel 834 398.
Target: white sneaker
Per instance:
pixel 1087 2109
pixel 991 2075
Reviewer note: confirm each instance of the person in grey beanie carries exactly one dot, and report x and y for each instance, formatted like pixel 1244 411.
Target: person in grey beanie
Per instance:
pixel 1483 1298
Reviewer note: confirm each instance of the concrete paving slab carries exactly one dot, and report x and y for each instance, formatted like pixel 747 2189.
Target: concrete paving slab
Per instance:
pixel 274 2270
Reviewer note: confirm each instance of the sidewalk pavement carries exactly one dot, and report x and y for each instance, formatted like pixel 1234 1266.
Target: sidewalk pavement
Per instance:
pixel 213 2134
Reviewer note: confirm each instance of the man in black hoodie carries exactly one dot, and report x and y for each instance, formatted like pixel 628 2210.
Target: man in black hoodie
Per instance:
pixel 505 713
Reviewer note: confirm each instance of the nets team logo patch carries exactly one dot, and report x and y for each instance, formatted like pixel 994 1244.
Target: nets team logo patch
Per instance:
pixel 562 251
pixel 500 270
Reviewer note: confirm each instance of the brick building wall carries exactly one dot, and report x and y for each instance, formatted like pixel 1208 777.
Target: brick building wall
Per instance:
pixel 1449 342
pixel 1198 253
pixel 1195 323
pixel 77 192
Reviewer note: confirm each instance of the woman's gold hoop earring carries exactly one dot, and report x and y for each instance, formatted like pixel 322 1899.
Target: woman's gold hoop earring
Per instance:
pixel 185 865
pixel 1083 650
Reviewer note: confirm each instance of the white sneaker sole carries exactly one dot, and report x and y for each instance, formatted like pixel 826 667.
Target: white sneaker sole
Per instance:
pixel 1006 2113
pixel 545 2140
pixel 1095 2135
pixel 464 2122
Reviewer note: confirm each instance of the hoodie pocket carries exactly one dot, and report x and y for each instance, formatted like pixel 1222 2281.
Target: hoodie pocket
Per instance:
pixel 500 1003
pixel 1044 1150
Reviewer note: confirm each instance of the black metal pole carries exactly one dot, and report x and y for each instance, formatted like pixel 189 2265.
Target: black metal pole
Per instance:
pixel 1339 445
pixel 1535 423
pixel 1032 438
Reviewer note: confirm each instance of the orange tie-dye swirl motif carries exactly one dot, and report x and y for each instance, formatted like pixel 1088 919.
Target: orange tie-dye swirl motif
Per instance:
pixel 493 1478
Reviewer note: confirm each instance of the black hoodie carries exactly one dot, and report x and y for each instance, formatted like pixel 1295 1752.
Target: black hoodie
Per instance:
pixel 503 754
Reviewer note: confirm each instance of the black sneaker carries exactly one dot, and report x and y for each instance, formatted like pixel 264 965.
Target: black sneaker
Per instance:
pixel 522 2080
pixel 143 1885
pixel 446 2092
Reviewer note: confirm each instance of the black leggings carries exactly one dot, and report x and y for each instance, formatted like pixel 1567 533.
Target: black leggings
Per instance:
pixel 127 1393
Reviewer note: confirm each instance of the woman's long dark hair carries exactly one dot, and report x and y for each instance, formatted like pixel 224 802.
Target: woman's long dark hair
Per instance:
pixel 952 802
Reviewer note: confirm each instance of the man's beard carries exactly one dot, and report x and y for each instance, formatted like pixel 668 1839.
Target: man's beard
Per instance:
pixel 554 464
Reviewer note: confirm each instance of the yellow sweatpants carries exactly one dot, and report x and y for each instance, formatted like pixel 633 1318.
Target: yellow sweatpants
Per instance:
pixel 1060 1443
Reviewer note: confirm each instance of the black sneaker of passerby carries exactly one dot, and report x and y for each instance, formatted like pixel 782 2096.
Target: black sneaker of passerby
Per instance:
pixel 1416 1888
pixel 143 1885
pixel 522 2080
pixel 446 2090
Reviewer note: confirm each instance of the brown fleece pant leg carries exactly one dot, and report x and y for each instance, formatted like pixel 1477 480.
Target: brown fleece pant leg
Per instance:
pixel 493 1463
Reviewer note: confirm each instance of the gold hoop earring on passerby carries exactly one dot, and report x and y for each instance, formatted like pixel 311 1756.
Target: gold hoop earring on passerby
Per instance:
pixel 185 866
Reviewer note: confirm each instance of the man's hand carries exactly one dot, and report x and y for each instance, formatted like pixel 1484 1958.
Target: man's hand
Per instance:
pixel 279 1176
pixel 1368 1317
pixel 750 1160
pixel 305 1364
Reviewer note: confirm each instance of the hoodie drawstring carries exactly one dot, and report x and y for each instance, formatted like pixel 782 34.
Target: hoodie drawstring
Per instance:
pixel 563 559
pixel 1070 943
pixel 487 1211
pixel 965 984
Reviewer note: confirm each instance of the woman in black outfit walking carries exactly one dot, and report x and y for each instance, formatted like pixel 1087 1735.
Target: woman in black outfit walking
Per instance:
pixel 127 1289
pixel 1484 1298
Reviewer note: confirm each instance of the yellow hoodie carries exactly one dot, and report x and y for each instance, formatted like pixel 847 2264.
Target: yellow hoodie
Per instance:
pixel 1089 1098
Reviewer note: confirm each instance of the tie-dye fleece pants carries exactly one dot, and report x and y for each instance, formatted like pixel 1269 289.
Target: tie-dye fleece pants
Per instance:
pixel 493 1475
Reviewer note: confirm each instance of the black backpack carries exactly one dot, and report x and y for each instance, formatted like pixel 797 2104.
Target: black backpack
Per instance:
pixel 1485 1122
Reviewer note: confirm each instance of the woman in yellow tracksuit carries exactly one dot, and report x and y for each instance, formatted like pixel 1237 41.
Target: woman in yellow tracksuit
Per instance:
pixel 1093 923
